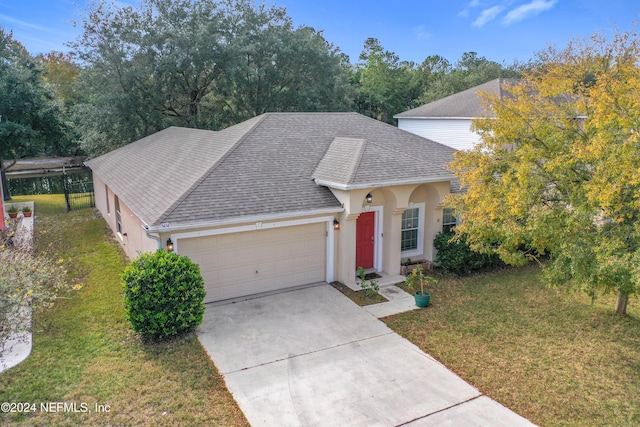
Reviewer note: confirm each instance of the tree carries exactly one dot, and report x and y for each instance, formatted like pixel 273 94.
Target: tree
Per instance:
pixel 60 72
pixel 469 71
pixel 385 85
pixel 31 122
pixel 283 69
pixel 558 170
pixel 197 63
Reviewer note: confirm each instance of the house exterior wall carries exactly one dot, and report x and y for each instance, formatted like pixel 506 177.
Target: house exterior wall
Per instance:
pixel 455 133
pixel 431 195
pixel 133 238
pixel 390 203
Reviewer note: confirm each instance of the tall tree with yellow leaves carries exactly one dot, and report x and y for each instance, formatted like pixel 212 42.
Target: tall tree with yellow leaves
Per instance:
pixel 558 170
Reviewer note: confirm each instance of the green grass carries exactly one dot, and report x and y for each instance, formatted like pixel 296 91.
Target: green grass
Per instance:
pixel 551 356
pixel 85 352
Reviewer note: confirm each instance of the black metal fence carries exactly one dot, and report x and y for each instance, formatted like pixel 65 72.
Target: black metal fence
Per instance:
pixel 48 184
pixel 79 194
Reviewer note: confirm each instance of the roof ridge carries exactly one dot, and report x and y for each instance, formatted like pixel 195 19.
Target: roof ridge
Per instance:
pixel 358 159
pixel 197 182
pixel 334 148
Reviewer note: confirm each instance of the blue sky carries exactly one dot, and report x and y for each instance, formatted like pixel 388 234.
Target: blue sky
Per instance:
pixel 501 30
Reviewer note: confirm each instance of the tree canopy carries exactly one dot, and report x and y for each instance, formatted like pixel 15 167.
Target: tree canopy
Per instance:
pixel 198 63
pixel 30 118
pixel 558 170
pixel 204 64
pixel 385 85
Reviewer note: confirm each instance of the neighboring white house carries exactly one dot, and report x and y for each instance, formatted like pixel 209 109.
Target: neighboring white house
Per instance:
pixel 448 120
pixel 281 200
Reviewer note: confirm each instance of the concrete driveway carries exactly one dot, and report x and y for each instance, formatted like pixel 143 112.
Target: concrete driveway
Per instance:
pixel 311 357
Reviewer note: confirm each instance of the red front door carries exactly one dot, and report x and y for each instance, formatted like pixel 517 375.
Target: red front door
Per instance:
pixel 365 230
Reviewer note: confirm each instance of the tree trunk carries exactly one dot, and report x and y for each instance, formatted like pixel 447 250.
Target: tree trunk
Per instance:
pixel 621 303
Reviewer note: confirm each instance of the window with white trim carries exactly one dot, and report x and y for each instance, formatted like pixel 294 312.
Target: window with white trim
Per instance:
pixel 106 195
pixel 412 236
pixel 449 220
pixel 116 203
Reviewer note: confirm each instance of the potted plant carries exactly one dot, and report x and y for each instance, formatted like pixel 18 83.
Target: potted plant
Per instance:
pixel 13 212
pixel 26 211
pixel 422 296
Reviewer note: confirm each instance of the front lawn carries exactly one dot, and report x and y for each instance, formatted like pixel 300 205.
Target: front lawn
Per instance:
pixel 552 357
pixel 84 351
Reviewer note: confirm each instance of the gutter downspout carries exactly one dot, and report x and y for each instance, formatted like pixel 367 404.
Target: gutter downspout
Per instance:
pixel 153 236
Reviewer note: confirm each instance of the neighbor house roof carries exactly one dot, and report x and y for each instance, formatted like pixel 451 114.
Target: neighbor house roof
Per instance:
pixel 465 104
pixel 268 166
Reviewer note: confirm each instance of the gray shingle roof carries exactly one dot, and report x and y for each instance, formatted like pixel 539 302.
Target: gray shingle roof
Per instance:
pixel 465 104
pixel 341 160
pixel 264 166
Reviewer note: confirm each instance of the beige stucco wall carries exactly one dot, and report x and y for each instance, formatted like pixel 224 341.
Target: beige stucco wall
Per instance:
pixel 432 196
pixel 391 202
pixel 133 239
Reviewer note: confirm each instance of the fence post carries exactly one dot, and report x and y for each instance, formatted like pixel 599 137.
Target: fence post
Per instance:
pixel 66 192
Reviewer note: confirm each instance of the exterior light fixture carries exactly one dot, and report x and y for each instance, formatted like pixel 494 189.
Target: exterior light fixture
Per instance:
pixel 369 198
pixel 336 224
pixel 169 245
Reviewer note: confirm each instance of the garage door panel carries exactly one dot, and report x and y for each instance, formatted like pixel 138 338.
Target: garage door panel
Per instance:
pixel 229 256
pixel 282 265
pixel 267 252
pixel 283 257
pixel 315 245
pixel 236 274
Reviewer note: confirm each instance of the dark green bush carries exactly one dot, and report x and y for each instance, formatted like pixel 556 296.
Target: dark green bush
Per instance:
pixel 163 295
pixel 456 256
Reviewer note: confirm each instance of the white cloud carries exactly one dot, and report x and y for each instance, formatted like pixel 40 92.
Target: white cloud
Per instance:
pixel 471 5
pixel 24 24
pixel 421 32
pixel 527 10
pixel 487 15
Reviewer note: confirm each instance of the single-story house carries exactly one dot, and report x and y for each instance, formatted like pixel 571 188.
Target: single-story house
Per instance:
pixel 280 200
pixel 448 120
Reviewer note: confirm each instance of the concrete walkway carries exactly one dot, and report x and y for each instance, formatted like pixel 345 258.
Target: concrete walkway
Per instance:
pixel 398 301
pixel 311 357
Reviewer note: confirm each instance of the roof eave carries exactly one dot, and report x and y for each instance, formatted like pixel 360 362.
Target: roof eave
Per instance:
pixel 412 181
pixel 436 117
pixel 169 227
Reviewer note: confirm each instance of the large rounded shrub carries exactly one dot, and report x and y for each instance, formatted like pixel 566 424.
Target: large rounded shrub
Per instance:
pixel 456 255
pixel 163 295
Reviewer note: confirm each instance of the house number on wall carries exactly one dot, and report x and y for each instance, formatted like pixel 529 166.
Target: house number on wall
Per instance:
pixel 165 225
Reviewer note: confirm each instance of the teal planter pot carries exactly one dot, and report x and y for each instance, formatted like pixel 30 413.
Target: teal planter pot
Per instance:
pixel 423 299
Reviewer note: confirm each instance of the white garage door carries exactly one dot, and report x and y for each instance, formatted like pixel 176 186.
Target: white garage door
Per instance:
pixel 239 264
